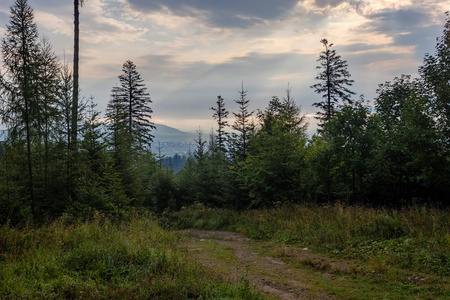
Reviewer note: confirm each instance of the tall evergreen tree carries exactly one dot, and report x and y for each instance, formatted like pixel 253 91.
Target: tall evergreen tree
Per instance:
pixel 200 151
pixel 272 171
pixel 243 125
pixel 333 82
pixel 220 114
pixel 20 52
pixel 48 88
pixel 130 106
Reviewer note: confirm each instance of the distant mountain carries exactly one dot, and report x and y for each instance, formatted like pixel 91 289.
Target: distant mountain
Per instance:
pixel 164 133
pixel 172 141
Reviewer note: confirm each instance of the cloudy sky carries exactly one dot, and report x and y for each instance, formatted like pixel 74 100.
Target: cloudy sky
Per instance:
pixel 190 51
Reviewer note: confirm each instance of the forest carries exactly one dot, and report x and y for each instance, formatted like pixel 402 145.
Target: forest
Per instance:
pixel 61 155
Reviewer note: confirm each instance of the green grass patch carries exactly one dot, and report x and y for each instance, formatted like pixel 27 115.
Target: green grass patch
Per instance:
pixel 104 259
pixel 392 244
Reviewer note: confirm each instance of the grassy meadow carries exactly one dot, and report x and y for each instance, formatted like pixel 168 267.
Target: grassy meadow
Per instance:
pixel 104 259
pixel 400 249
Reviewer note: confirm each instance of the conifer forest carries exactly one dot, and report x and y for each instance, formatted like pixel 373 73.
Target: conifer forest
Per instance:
pixel 392 152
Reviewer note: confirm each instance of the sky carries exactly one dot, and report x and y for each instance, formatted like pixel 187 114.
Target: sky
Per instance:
pixel 190 51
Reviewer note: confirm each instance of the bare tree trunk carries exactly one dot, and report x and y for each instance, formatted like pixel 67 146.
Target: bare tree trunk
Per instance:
pixel 30 165
pixel 76 51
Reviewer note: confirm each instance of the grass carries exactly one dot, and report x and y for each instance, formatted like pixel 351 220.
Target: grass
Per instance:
pixel 405 249
pixel 105 259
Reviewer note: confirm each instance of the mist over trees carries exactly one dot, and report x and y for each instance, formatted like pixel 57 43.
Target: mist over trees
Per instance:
pixel 394 153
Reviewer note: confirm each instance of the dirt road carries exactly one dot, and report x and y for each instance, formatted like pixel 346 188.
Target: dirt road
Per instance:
pixel 234 257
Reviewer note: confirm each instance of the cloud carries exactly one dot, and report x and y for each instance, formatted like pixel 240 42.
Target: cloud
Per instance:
pixel 334 3
pixel 231 13
pixel 397 21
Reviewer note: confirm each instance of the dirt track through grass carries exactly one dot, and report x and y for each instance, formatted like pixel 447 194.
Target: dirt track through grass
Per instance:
pixel 234 257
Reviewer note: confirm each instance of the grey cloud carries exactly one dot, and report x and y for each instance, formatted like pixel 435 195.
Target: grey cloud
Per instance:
pixel 333 3
pixel 325 3
pixel 231 13
pixel 206 81
pixel 408 27
pixel 398 20
pixel 357 47
pixel 424 39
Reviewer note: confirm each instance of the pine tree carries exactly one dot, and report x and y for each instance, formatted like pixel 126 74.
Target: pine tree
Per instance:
pixel 220 114
pixel 48 88
pixel 200 151
pixel 20 52
pixel 242 125
pixel 131 104
pixel 272 171
pixel 333 82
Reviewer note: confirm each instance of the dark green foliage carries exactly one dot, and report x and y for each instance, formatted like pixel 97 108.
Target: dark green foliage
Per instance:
pixel 273 169
pixel 407 143
pixel 129 108
pixel 164 191
pixel 436 74
pixel 22 113
pixel 205 176
pixel 396 153
pixel 350 142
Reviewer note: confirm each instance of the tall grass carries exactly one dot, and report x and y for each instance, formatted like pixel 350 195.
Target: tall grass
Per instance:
pixel 415 238
pixel 104 259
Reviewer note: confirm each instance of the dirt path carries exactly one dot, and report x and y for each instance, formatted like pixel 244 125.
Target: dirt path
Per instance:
pixel 233 257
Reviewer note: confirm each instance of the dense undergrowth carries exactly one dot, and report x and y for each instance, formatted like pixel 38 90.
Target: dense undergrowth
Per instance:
pixel 104 259
pixel 415 238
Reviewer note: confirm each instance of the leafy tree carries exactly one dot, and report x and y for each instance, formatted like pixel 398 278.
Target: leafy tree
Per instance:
pixel 220 114
pixel 333 82
pixel 407 158
pixel 436 74
pixel 350 142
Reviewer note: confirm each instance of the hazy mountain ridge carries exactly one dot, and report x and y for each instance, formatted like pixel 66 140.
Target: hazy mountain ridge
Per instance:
pixel 171 141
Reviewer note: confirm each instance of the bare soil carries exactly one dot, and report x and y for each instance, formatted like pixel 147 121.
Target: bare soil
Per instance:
pixel 233 257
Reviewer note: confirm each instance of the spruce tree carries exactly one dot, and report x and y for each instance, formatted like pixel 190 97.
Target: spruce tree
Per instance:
pixel 20 53
pixel 130 107
pixel 333 82
pixel 243 125
pixel 220 114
